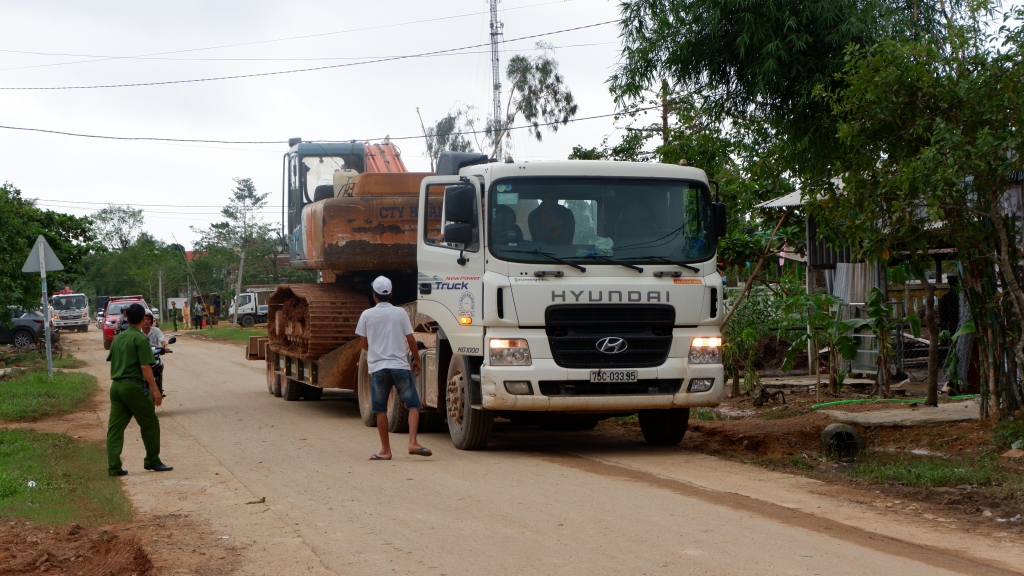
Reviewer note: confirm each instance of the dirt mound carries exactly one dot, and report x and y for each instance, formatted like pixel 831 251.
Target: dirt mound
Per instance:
pixel 71 549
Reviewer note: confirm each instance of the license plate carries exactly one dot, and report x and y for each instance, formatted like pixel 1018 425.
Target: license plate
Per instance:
pixel 613 375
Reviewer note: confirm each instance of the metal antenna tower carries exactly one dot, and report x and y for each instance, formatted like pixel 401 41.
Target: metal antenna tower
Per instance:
pixel 496 34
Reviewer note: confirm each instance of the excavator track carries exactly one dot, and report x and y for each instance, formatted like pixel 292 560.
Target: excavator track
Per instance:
pixel 309 320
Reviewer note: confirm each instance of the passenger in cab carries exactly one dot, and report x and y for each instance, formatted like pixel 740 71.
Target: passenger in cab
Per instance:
pixel 551 223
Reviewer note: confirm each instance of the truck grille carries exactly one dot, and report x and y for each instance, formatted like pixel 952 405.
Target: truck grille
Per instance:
pixel 584 388
pixel 574 331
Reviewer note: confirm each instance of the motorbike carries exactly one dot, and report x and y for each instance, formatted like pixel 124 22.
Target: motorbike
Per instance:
pixel 158 366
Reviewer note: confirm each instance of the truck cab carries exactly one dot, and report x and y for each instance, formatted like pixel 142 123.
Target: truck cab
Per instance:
pixel 71 311
pixel 566 292
pixel 252 307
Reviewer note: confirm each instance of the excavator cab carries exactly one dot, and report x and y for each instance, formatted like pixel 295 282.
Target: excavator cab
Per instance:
pixel 309 177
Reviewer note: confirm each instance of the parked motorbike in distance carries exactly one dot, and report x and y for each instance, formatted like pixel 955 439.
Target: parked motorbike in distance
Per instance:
pixel 158 366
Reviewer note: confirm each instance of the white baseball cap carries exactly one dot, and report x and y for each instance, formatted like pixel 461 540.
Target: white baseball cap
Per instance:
pixel 382 286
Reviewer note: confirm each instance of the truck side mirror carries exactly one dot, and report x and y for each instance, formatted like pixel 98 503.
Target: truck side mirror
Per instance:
pixel 458 205
pixel 458 233
pixel 721 219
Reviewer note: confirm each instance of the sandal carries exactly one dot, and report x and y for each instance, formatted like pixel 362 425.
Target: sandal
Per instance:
pixel 421 451
pixel 378 457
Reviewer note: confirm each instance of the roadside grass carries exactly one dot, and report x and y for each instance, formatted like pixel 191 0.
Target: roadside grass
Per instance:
pixel 1009 434
pixel 932 472
pixel 37 359
pixel 226 333
pixel 28 395
pixel 70 480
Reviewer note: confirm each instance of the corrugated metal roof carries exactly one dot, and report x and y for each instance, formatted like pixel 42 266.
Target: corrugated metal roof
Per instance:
pixel 791 199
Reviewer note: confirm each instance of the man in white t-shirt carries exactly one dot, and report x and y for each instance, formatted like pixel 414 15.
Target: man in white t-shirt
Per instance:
pixel 386 335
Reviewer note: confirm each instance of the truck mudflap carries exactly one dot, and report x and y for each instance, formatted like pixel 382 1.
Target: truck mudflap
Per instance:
pixel 556 389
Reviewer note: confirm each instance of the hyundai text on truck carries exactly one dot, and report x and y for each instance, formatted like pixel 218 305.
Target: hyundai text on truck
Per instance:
pixel 553 293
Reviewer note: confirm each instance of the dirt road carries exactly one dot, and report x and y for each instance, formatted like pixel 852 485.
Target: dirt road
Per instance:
pixel 535 502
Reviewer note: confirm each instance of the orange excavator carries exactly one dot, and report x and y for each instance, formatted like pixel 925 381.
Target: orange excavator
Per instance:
pixel 352 216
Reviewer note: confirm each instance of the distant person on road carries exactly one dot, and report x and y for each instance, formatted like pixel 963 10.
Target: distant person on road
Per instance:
pixel 197 314
pixel 186 315
pixel 386 335
pixel 174 314
pixel 133 393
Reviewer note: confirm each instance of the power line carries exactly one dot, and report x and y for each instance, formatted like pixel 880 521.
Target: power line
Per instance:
pixel 416 137
pixel 300 70
pixel 331 58
pixel 100 58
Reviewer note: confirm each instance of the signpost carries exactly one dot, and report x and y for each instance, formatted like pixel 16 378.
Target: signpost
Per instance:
pixel 41 260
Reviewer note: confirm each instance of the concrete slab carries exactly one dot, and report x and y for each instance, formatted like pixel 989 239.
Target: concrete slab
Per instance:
pixel 905 416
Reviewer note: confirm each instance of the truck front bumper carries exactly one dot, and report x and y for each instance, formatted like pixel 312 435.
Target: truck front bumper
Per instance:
pixel 495 396
pixel 72 323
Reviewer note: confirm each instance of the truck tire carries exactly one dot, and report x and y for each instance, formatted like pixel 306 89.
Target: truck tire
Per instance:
pixel 364 393
pixel 664 427
pixel 106 344
pixel 398 414
pixel 291 389
pixel 85 328
pixel 273 381
pixel 247 321
pixel 314 392
pixel 470 428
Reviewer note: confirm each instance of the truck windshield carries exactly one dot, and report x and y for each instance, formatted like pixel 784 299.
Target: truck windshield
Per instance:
pixel 68 302
pixel 600 219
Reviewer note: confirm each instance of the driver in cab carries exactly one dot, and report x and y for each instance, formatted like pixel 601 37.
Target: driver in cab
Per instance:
pixel 551 223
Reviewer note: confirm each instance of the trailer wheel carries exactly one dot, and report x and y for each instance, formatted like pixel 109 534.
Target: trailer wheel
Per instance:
pixel 314 392
pixel 291 389
pixel 364 392
pixel 398 413
pixel 273 380
pixel 247 321
pixel 470 428
pixel 664 427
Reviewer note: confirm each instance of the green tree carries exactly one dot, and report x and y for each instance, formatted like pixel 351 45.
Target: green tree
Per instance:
pixel 21 222
pixel 117 227
pixel 538 93
pixel 931 133
pixel 447 134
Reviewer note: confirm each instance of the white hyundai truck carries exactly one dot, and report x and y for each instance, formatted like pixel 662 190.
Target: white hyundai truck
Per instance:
pixel 549 293
pixel 572 291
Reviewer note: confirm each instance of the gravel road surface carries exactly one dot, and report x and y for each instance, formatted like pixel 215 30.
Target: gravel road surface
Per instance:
pixel 535 502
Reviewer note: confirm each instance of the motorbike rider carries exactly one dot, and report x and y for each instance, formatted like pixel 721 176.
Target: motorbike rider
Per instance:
pixel 156 340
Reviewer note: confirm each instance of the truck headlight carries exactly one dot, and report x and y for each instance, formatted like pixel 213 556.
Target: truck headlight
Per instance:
pixel 706 350
pixel 509 352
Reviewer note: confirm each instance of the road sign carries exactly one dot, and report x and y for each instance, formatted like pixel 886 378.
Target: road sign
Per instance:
pixel 34 262
pixel 41 260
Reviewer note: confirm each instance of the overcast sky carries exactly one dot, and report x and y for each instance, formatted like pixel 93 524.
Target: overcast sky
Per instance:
pixel 90 43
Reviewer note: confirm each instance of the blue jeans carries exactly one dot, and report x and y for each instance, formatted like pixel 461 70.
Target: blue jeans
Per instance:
pixel 381 382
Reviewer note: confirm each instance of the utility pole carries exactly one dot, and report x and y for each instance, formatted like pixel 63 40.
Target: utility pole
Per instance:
pixel 238 291
pixel 496 35
pixel 160 293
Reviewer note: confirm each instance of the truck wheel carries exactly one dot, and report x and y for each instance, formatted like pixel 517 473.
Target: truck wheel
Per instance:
pixel 470 428
pixel 314 392
pixel 247 321
pixel 364 392
pixel 273 380
pixel 85 328
pixel 291 389
pixel 106 344
pixel 398 414
pixel 664 427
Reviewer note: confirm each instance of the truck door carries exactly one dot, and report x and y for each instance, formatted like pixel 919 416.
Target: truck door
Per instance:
pixel 451 259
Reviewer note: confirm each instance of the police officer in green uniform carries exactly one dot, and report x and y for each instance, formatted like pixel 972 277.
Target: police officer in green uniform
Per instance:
pixel 133 392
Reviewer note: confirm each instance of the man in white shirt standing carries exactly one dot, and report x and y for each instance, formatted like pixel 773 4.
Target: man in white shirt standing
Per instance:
pixel 386 335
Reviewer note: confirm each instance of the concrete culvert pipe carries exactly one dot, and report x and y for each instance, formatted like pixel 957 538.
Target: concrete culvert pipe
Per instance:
pixel 842 441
